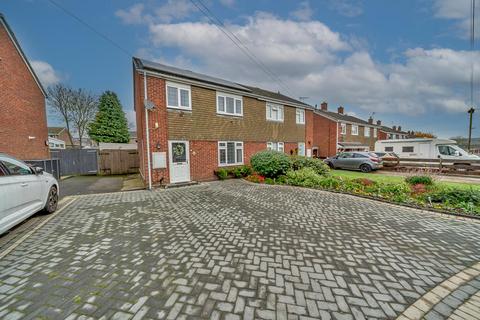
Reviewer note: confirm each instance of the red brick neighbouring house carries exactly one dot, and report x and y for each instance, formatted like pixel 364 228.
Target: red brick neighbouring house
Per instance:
pixel 23 121
pixel 337 131
pixel 199 123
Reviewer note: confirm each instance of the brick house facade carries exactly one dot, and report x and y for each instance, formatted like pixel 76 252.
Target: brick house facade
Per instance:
pixel 23 121
pixel 337 131
pixel 220 123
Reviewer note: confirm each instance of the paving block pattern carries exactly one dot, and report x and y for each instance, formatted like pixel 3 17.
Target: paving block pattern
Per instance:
pixel 232 250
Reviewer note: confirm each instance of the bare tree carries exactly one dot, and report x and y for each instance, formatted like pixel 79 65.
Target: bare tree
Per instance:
pixel 60 99
pixel 83 111
pixel 77 109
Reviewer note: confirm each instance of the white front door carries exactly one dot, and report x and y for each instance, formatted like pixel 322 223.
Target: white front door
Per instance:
pixel 179 161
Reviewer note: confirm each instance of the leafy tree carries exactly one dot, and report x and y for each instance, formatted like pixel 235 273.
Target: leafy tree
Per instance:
pixel 110 124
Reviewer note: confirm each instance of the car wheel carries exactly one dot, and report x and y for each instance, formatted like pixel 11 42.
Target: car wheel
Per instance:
pixel 52 200
pixel 330 165
pixel 365 168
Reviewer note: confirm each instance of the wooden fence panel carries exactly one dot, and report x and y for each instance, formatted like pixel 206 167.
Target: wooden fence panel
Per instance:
pixel 118 162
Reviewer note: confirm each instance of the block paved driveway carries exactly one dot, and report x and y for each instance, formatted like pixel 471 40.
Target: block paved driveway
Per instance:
pixel 232 250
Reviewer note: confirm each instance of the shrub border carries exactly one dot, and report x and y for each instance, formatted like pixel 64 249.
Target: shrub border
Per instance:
pixel 420 208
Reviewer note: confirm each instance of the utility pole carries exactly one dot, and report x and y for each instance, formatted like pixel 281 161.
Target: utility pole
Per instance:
pixel 471 111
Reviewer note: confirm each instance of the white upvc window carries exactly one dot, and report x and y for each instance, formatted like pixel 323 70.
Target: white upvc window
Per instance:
pixel 300 116
pixel 354 130
pixel 367 131
pixel 229 104
pixel 375 132
pixel 343 128
pixel 179 96
pixel 230 153
pixel 301 149
pixel 276 146
pixel 274 112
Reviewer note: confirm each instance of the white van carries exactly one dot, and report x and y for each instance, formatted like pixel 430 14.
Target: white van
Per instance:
pixel 424 148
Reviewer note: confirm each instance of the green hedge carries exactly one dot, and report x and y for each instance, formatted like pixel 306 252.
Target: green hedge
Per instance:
pixel 270 164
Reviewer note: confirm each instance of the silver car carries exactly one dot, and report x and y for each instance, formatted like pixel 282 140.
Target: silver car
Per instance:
pixel 363 161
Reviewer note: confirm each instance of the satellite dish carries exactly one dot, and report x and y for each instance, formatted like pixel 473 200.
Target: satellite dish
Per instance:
pixel 149 105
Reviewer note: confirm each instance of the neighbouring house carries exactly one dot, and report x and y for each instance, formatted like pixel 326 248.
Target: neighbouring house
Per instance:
pixel 395 132
pixel 133 137
pixel 198 123
pixel 23 120
pixel 60 133
pixel 56 144
pixel 335 131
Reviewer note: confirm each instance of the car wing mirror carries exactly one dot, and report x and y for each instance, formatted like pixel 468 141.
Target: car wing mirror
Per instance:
pixel 38 170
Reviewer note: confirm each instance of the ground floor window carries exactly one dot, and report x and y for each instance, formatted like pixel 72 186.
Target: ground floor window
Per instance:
pixel 276 146
pixel 230 153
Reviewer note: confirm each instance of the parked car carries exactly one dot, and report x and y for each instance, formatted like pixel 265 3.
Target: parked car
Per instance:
pixel 389 159
pixel 363 161
pixel 24 190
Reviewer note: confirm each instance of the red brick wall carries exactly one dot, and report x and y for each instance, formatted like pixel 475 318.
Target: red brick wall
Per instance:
pixel 22 106
pixel 291 148
pixel 324 136
pixel 203 160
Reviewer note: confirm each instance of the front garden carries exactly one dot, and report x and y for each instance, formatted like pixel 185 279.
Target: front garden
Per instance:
pixel 273 167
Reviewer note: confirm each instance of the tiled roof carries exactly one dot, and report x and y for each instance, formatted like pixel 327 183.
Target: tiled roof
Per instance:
pixel 187 74
pixel 343 117
pixel 55 130
pixel 390 130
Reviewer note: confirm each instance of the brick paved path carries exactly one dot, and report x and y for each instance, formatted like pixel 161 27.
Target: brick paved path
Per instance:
pixel 232 250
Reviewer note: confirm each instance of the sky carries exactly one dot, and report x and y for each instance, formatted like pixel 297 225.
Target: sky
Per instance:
pixel 405 62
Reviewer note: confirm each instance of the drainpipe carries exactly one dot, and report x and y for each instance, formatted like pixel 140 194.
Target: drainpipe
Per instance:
pixel 147 131
pixel 336 139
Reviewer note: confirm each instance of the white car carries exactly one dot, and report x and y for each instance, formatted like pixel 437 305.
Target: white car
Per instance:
pixel 24 191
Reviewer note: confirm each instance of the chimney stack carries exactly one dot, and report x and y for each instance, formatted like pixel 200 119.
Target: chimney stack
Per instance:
pixel 370 120
pixel 399 128
pixel 379 122
pixel 394 128
pixel 340 110
pixel 324 106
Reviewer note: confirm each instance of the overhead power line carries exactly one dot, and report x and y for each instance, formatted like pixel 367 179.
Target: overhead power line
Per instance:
pixel 238 43
pixel 89 26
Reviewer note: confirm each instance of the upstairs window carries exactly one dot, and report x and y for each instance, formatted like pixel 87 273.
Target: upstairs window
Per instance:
pixel 274 112
pixel 179 96
pixel 229 104
pixel 276 146
pixel 367 131
pixel 343 128
pixel 300 116
pixel 354 130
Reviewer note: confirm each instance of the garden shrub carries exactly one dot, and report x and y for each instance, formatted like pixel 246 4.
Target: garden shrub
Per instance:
pixel 242 171
pixel 425 180
pixel 306 177
pixel 299 162
pixel 455 196
pixel 270 164
pixel 397 192
pixel 364 182
pixel 329 183
pixel 222 173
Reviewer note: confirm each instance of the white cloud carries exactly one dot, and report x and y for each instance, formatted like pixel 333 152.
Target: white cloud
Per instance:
pixel 45 72
pixel 132 15
pixel 172 10
pixel 304 11
pixel 459 11
pixel 317 62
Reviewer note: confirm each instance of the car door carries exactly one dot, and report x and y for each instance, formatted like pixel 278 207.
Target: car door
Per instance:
pixel 343 160
pixel 27 187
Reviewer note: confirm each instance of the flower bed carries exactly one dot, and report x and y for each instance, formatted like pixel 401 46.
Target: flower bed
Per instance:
pixel 418 191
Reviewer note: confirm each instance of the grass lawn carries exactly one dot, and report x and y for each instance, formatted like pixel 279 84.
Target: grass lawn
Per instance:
pixel 396 179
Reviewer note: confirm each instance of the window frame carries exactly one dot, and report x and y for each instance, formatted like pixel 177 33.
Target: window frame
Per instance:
pixel 226 164
pixel 277 144
pixel 343 128
pixel 179 87
pixel 365 130
pixel 375 132
pixel 403 149
pixel 304 149
pixel 17 163
pixel 390 149
pixel 276 105
pixel 235 99
pixel 351 130
pixel 298 112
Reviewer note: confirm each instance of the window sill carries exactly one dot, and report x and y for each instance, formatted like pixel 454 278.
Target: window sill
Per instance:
pixel 231 164
pixel 229 115
pixel 278 121
pixel 179 108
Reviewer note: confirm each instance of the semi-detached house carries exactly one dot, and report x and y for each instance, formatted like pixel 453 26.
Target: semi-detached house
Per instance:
pixel 196 124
